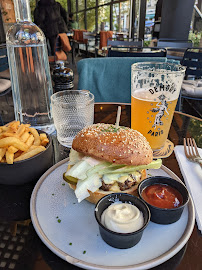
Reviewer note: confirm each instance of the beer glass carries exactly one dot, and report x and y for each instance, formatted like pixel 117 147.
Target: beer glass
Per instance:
pixel 155 88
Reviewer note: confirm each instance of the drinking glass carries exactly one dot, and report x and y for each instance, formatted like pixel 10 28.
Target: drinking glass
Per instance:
pixel 155 87
pixel 72 111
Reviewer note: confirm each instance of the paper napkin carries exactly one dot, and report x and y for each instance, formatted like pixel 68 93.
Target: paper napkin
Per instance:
pixel 192 88
pixel 192 174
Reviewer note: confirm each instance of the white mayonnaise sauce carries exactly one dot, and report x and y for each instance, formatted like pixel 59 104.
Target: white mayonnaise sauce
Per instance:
pixel 122 218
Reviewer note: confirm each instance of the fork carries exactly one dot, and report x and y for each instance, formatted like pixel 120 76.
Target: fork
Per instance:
pixel 192 154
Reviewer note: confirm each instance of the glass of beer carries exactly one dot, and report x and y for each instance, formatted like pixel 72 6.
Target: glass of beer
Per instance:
pixel 155 87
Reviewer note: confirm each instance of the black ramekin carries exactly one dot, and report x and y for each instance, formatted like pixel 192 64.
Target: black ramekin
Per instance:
pixel 28 170
pixel 121 240
pixel 164 215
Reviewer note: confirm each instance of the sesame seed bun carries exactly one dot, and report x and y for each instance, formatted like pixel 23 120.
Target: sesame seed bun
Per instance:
pixel 120 145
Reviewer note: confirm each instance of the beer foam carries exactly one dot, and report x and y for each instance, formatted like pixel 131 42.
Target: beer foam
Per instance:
pixel 162 85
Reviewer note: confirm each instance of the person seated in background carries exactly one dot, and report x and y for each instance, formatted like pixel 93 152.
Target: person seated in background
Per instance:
pixel 72 24
pixel 51 17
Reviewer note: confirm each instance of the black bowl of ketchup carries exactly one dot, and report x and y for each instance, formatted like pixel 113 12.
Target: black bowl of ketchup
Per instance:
pixel 165 197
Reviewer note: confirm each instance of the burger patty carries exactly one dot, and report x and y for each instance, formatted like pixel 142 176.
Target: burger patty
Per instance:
pixel 127 184
pixel 106 187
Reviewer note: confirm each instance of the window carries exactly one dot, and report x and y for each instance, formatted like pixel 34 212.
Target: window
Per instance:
pixel 73 6
pixel 104 17
pixel 116 18
pixel 81 4
pixel 91 3
pixel 101 2
pixel 91 20
pixel 149 20
pixel 124 21
pixel 32 8
pixel 81 20
pixel 63 3
pixel 95 15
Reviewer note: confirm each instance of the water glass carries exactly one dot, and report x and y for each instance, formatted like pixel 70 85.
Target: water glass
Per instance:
pixel 155 88
pixel 72 111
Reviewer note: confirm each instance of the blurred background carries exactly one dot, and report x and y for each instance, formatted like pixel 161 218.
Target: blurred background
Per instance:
pixel 136 16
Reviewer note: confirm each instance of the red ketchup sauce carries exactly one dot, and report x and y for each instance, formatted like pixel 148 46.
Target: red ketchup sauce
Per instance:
pixel 162 196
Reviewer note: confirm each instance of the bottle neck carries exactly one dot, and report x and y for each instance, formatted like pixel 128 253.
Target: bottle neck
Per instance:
pixel 22 10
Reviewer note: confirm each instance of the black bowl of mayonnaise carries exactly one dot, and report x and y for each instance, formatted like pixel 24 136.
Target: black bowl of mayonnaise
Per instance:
pixel 122 218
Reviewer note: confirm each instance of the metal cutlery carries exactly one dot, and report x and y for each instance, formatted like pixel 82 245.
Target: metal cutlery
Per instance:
pixel 191 151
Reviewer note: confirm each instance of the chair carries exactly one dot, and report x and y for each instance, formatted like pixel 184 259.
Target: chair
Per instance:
pixel 5 83
pixel 175 48
pixel 136 52
pixel 78 38
pixel 124 43
pixel 90 37
pixel 109 78
pixel 172 43
pixel 192 85
pixel 101 39
pixel 62 47
pixel 120 36
pixel 193 61
pixel 3 58
pixel 104 37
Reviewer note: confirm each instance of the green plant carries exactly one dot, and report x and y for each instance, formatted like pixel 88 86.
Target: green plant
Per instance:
pixel 195 127
pixel 32 7
pixel 146 43
pixel 195 37
pixel 63 3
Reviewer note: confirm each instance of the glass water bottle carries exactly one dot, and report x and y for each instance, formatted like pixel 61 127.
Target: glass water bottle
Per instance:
pixel 29 70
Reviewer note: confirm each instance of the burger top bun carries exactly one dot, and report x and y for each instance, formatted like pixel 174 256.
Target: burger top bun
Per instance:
pixel 120 145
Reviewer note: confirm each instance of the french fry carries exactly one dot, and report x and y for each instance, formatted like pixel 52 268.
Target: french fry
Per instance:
pixel 9 134
pixel 3 160
pixel 2 153
pixel 42 136
pixel 4 128
pixel 20 142
pixel 9 157
pixel 12 149
pixel 24 137
pixel 30 154
pixel 8 141
pixel 17 154
pixel 12 122
pixel 20 130
pixel 30 140
pixel 34 147
pixel 14 125
pixel 45 142
pixel 44 139
pixel 27 125
pixel 36 136
pixel 31 148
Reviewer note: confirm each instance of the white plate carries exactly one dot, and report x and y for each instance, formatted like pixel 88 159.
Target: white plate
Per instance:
pixel 52 200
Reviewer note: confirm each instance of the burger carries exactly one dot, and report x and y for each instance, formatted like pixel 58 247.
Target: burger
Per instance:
pixel 106 159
